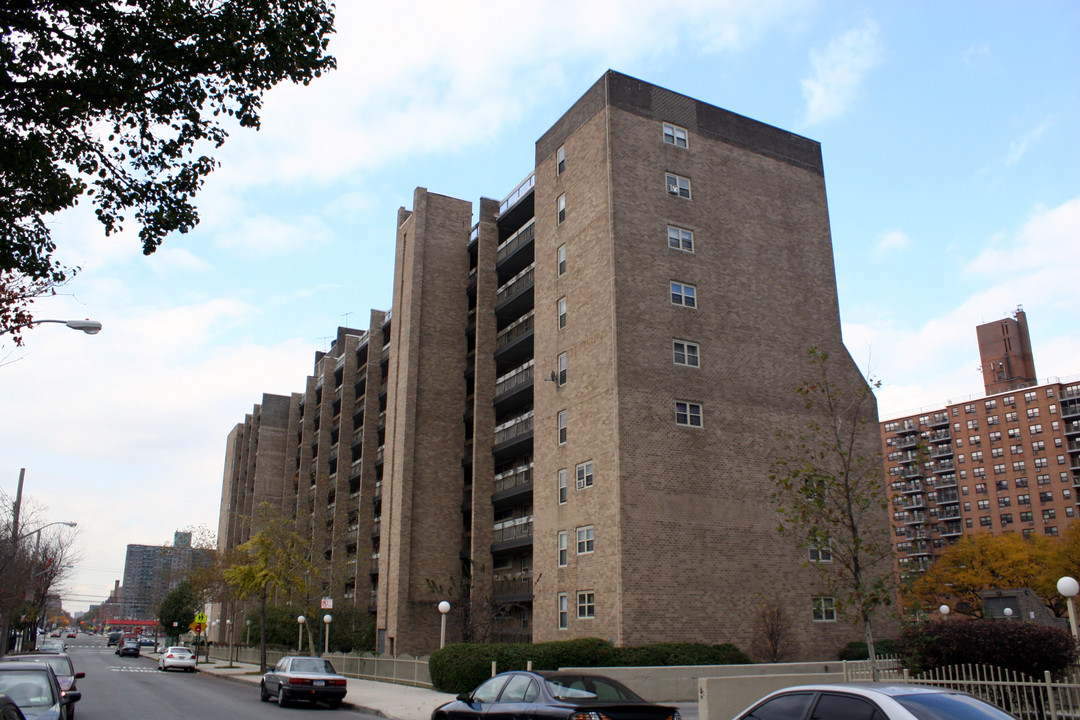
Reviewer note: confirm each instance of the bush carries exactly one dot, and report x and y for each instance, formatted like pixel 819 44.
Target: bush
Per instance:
pixel 859 650
pixel 462 666
pixel 1022 647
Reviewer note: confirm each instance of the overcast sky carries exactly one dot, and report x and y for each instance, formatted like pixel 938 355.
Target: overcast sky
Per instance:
pixel 949 135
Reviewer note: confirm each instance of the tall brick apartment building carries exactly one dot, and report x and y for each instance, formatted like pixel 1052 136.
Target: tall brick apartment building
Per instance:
pixel 572 410
pixel 1005 462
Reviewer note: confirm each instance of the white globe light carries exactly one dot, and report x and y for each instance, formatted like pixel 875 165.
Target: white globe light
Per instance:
pixel 326 618
pixel 944 609
pixel 300 619
pixel 444 607
pixel 1008 612
pixel 1068 587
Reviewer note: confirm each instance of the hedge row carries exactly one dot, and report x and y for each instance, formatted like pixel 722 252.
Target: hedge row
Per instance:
pixel 461 667
pixel 1023 647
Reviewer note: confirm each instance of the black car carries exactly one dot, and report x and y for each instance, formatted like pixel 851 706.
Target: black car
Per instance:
pixel 552 695
pixel 303 678
pixel 114 638
pixel 128 647
pixel 9 710
pixel 34 688
pixel 59 662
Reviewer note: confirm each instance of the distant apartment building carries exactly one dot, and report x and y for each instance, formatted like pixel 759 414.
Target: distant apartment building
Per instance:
pixel 151 571
pixel 567 423
pixel 1008 461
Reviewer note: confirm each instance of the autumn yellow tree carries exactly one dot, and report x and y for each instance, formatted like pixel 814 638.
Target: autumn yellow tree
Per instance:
pixel 984 561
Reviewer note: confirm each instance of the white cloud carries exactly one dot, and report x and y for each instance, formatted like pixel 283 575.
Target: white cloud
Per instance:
pixel 261 236
pixel 839 71
pixel 892 240
pixel 973 55
pixel 937 362
pixel 1019 147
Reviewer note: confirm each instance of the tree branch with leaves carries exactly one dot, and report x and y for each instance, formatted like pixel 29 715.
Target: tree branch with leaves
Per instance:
pixel 830 493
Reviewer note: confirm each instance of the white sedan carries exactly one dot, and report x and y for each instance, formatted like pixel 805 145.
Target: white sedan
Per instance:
pixel 176 657
pixel 871 701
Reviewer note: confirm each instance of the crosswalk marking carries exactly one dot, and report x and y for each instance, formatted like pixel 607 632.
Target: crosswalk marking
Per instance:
pixel 132 669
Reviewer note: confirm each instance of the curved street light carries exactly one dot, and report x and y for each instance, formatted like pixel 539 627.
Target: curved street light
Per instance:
pixel 90 327
pixel 69 523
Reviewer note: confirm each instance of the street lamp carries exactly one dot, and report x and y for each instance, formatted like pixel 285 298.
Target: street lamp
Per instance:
pixel 326 636
pixel 228 631
pixel 944 610
pixel 300 634
pixel 90 327
pixel 1067 587
pixel 444 608
pixel 1008 613
pixel 68 523
pixel 247 638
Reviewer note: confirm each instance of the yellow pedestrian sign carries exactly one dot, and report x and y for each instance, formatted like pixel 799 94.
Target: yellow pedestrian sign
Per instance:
pixel 200 618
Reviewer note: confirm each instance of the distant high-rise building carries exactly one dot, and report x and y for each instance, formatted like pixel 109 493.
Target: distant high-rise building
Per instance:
pixel 1008 461
pixel 567 424
pixel 151 571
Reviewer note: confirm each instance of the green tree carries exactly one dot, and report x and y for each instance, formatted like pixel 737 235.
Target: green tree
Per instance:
pixel 830 493
pixel 117 101
pixel 276 558
pixel 178 608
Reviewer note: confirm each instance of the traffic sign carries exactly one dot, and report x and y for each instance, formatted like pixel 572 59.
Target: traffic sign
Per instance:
pixel 200 617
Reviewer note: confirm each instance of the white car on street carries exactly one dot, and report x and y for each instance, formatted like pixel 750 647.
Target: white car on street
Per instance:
pixel 176 657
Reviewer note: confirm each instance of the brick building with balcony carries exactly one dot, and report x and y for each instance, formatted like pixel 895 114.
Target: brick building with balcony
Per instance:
pixel 1008 461
pixel 568 423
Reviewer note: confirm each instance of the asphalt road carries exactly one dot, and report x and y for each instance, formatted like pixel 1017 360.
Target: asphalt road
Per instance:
pixel 128 688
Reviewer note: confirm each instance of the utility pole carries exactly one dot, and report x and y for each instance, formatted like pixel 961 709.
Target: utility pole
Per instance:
pixel 6 624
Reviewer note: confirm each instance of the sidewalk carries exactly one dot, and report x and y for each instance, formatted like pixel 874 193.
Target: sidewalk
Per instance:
pixel 395 702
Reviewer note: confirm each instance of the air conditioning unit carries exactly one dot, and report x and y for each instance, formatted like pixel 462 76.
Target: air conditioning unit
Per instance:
pixel 673 189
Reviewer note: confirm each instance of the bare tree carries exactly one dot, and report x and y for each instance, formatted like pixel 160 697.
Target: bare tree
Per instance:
pixel 831 497
pixel 772 640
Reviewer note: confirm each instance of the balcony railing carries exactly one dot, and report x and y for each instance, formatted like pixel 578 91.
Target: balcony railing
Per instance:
pixel 520 281
pixel 524 236
pixel 514 330
pixel 521 475
pixel 519 192
pixel 519 375
pixel 512 428
pixel 512 584
pixel 513 529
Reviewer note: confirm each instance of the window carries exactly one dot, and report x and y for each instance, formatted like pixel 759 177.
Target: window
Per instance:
pixel 1030 396
pixel 824 609
pixel 686 353
pixel 986 521
pixel 675 135
pixel 562 548
pixel 585 475
pixel 1004 501
pixel 999 469
pixel 560 377
pixel 990 404
pixel 995 436
pixel 1045 497
pixel 561 203
pixel 561 258
pixel 560 160
pixel 680 238
pixel 1033 413
pixel 1052 531
pixel 562 486
pixel 687 413
pixel 1026 516
pixel 821 552
pixel 1041 463
pixel 585 540
pixel 678 185
pixel 562 427
pixel 1010 417
pixel 1023 499
pixel 561 312
pixel 984 504
pixel 683 294
pixel 973 424
pixel 564 613
pixel 997 452
pixel 1049 514
pixel 586 605
pixel 976 456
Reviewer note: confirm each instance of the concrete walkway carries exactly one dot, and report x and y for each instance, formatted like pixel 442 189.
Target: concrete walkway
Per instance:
pixel 396 702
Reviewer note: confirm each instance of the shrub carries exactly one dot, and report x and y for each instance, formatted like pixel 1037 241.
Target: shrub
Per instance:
pixel 859 650
pixel 462 666
pixel 1022 647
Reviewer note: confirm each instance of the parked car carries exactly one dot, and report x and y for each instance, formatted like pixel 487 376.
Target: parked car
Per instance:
pixel 59 662
pixel 9 710
pixel 146 642
pixel 128 647
pixel 34 688
pixel 50 645
pixel 872 701
pixel 177 657
pixel 303 678
pixel 114 638
pixel 554 696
